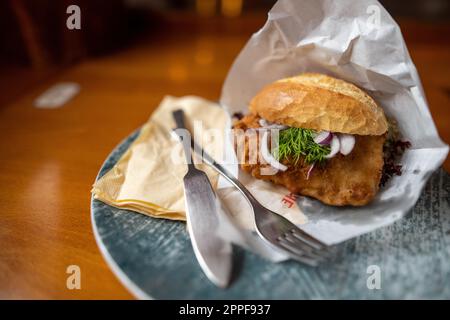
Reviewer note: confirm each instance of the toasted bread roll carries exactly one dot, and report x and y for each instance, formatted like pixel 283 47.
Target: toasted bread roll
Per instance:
pixel 320 102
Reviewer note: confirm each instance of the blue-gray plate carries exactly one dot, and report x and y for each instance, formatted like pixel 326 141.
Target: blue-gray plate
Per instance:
pixel 153 258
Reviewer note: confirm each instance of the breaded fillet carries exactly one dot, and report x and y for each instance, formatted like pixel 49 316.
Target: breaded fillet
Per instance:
pixel 343 180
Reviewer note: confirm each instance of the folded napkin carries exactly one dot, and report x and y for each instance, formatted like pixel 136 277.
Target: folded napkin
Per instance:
pixel 148 178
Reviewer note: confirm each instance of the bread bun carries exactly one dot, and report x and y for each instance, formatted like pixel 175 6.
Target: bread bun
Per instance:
pixel 319 102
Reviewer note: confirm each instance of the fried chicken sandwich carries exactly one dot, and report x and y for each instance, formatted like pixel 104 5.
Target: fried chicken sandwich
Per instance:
pixel 330 137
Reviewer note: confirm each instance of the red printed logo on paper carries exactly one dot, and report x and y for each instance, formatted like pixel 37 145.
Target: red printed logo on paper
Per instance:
pixel 289 200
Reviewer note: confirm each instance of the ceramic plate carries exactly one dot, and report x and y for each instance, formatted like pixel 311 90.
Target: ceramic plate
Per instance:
pixel 154 259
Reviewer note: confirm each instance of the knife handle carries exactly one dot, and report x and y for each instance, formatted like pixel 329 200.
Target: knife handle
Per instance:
pixel 185 137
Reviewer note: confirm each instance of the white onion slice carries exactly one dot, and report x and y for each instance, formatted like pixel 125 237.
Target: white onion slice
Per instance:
pixel 267 156
pixel 263 123
pixel 347 143
pixel 335 147
pixel 271 125
pixel 323 138
pixel 278 127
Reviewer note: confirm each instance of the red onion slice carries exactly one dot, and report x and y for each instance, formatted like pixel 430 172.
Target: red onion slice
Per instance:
pixel 347 143
pixel 335 147
pixel 323 138
pixel 309 171
pixel 267 156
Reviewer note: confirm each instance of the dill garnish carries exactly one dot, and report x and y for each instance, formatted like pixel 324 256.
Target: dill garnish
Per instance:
pixel 296 143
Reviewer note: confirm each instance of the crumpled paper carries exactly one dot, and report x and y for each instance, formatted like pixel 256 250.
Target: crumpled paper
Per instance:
pixel 357 41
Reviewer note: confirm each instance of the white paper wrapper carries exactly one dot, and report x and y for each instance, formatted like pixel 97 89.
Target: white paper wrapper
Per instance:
pixel 357 41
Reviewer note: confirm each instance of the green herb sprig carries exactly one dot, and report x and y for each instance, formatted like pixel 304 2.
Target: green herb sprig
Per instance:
pixel 297 143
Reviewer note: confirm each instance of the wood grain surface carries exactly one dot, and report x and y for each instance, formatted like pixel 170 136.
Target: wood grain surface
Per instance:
pixel 50 157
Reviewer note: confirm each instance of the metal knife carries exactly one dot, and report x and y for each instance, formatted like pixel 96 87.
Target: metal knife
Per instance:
pixel 212 252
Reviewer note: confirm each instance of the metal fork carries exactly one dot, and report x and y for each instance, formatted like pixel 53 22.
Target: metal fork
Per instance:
pixel 273 228
pixel 276 230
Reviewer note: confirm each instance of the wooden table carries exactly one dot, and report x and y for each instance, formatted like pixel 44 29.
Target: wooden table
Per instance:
pixel 50 157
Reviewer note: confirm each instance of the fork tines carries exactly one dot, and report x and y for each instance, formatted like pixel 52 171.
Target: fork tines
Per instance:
pixel 302 247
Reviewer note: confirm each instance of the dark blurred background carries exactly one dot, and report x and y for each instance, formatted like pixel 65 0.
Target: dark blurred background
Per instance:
pixel 36 45
pixel 32 32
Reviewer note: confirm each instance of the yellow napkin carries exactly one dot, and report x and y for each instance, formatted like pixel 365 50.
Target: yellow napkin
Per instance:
pixel 148 177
